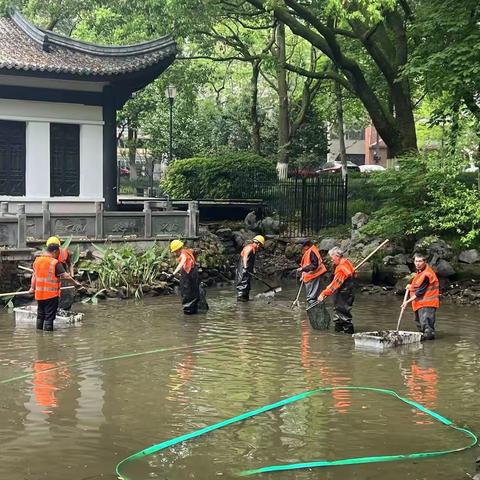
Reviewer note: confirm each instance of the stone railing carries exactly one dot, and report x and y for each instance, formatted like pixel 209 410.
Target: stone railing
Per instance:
pixel 157 220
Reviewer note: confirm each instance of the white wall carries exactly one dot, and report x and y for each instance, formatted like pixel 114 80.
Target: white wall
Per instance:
pixel 38 116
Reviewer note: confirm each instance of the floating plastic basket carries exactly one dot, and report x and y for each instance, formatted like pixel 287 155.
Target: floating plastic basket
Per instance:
pixel 28 314
pixel 383 339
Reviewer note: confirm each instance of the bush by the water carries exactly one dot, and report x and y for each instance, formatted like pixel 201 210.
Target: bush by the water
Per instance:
pixel 428 194
pixel 237 175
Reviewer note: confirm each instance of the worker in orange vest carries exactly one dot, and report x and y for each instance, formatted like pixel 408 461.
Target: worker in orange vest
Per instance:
pixel 65 258
pixel 311 268
pixel 47 272
pixel 190 289
pixel 246 266
pixel 424 296
pixel 341 287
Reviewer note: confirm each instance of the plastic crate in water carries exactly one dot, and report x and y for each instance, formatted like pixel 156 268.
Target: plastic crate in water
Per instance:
pixel 382 339
pixel 28 314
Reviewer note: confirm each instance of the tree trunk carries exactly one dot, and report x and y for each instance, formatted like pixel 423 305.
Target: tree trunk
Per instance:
pixel 340 131
pixel 283 119
pixel 132 151
pixel 255 123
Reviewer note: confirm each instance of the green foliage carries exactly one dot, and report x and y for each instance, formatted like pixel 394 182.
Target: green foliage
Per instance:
pixel 126 267
pixel 228 176
pixel 426 196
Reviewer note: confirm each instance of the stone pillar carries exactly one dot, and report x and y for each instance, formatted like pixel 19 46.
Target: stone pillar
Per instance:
pixel 193 219
pixel 3 208
pixel 21 226
pixel 46 228
pixel 98 220
pixel 147 210
pixel 110 168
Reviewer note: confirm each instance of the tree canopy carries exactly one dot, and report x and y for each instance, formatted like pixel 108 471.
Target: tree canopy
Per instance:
pixel 262 75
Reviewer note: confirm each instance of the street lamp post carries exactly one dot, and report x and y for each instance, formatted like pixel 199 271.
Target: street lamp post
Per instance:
pixel 171 93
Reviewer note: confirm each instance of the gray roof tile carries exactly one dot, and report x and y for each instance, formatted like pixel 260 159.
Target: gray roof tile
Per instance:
pixel 24 47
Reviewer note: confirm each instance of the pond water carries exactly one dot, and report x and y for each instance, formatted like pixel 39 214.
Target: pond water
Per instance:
pixel 133 375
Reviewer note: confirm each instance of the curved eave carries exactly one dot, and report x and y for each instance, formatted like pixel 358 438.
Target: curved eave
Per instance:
pixel 112 77
pixel 46 38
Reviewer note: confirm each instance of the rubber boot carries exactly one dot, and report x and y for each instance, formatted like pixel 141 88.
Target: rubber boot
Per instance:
pixel 428 334
pixel 349 329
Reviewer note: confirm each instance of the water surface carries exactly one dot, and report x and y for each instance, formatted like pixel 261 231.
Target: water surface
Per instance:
pixel 83 406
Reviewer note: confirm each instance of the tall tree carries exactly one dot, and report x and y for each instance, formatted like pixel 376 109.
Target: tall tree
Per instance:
pixel 380 28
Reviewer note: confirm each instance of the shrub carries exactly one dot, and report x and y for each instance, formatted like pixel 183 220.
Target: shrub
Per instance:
pixel 236 175
pixel 426 196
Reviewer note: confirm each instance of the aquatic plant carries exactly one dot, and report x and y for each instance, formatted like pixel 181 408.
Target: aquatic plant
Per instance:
pixel 126 268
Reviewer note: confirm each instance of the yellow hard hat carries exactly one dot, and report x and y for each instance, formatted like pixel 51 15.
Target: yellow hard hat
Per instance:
pixel 176 245
pixel 53 241
pixel 260 239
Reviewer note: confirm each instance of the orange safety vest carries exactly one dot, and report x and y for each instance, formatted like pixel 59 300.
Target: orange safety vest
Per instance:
pixel 346 268
pixel 189 259
pixel 320 270
pixel 245 253
pixel 432 294
pixel 251 247
pixel 64 256
pixel 47 284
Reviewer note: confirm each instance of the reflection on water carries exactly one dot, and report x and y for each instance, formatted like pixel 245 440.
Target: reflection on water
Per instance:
pixel 82 406
pixel 422 387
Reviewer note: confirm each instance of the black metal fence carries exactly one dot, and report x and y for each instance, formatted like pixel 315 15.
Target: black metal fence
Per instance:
pixel 306 205
pixel 303 205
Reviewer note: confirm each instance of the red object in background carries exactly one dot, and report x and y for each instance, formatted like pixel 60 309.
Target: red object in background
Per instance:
pixel 124 171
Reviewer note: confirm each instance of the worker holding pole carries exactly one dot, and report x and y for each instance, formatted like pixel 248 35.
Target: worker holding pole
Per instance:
pixel 65 258
pixel 246 266
pixel 45 283
pixel 311 268
pixel 341 288
pixel 424 297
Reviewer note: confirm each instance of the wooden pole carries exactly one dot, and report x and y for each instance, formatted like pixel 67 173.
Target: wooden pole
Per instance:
pixel 403 309
pixel 26 292
pixel 371 254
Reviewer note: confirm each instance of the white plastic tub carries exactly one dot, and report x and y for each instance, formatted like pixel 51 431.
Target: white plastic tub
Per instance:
pixel 28 314
pixel 383 339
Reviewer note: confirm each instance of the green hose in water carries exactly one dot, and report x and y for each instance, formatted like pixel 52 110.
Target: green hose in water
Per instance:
pixel 312 464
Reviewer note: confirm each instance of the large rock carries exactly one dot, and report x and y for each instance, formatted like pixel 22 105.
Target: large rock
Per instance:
pixel 251 220
pixel 434 247
pixel 224 233
pixel 399 259
pixel 269 246
pixel 345 245
pixel 365 273
pixel 239 238
pixel 390 274
pixel 359 220
pixel 269 226
pixel 443 268
pixel 402 284
pixel 327 243
pixel 469 256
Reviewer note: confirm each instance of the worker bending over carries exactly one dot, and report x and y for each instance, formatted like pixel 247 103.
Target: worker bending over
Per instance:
pixel 311 268
pixel 189 278
pixel 342 289
pixel 246 266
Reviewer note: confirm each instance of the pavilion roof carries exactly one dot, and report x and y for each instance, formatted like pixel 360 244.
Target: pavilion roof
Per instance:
pixel 27 48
